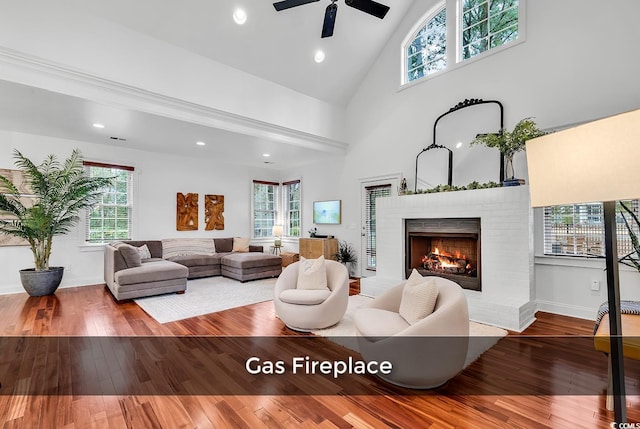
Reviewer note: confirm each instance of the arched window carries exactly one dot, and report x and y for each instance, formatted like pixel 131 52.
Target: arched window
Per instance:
pixel 477 27
pixel 427 52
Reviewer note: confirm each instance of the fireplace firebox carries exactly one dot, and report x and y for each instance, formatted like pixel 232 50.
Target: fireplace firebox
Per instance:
pixel 445 247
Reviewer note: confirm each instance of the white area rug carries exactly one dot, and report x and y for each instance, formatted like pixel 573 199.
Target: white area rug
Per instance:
pixel 483 337
pixel 207 295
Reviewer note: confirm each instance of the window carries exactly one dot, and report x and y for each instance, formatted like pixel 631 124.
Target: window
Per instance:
pixel 443 40
pixel 111 218
pixel 275 203
pixel 265 203
pixel 291 198
pixel 426 54
pixel 372 193
pixel 578 230
pixel 487 24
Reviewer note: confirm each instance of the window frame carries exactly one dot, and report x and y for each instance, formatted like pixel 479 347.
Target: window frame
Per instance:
pixel 592 235
pixel 430 16
pixel 372 193
pixel 287 211
pixel 454 40
pixel 276 187
pixel 129 204
pixel 282 212
pixel 461 29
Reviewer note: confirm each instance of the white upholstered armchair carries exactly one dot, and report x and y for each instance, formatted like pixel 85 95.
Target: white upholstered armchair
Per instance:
pixel 308 309
pixel 424 354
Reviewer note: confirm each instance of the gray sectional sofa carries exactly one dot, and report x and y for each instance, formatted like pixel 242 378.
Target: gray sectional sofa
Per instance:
pixel 131 272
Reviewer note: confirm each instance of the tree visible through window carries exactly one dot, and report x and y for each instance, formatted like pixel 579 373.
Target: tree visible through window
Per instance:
pixel 275 203
pixel 482 25
pixel 427 52
pixel 487 24
pixel 111 218
pixel 291 191
pixel 265 203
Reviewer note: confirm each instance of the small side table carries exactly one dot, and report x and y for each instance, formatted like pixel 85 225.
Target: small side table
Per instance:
pixel 276 250
pixel 289 258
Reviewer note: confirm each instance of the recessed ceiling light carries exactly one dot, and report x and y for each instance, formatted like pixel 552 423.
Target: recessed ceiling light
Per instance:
pixel 98 125
pixel 200 143
pixel 266 155
pixel 239 16
pixel 459 145
pixel 319 56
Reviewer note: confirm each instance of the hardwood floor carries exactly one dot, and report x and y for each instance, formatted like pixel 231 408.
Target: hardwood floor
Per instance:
pixel 508 386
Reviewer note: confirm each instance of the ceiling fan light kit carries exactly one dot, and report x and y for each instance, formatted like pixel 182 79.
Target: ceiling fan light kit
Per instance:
pixel 367 6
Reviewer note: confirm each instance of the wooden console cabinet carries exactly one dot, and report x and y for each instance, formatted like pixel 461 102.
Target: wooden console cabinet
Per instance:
pixel 312 248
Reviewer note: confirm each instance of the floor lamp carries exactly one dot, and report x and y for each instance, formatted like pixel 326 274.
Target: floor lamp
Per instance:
pixel 597 161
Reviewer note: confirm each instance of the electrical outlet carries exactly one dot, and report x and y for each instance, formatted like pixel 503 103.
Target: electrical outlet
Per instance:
pixel 595 285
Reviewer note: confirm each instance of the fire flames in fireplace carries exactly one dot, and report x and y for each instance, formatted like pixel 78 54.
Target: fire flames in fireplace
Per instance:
pixel 450 263
pixel 445 247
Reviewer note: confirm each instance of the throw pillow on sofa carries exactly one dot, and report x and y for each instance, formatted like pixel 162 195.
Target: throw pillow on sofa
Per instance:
pixel 172 247
pixel 223 245
pixel 312 274
pixel 144 252
pixel 130 255
pixel 419 297
pixel 241 244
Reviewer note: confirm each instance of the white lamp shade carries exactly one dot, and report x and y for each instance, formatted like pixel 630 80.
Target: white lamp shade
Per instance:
pixel 277 230
pixel 597 161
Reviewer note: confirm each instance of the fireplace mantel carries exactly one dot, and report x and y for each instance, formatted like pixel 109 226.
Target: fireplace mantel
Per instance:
pixel 508 296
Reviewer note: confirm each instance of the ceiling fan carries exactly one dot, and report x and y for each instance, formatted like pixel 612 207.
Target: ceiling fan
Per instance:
pixel 367 6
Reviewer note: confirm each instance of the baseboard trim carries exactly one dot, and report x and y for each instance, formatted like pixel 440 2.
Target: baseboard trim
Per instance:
pixel 72 282
pixel 567 310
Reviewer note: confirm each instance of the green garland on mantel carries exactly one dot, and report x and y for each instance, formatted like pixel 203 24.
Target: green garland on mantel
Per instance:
pixel 451 188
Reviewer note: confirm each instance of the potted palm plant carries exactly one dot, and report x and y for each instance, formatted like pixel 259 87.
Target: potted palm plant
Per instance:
pixel 346 255
pixel 58 192
pixel 510 143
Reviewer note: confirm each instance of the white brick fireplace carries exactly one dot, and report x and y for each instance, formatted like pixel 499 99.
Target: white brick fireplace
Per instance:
pixel 507 298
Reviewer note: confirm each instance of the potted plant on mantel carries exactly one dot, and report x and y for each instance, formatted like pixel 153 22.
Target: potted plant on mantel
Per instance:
pixel 57 194
pixel 510 143
pixel 346 255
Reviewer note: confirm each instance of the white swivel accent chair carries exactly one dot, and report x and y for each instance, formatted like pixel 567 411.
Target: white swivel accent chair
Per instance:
pixel 306 310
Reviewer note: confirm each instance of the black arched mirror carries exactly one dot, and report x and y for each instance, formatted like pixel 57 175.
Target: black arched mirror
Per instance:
pixel 450 159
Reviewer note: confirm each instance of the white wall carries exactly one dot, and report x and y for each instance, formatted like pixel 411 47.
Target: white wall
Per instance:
pixel 575 65
pixel 319 181
pixel 157 179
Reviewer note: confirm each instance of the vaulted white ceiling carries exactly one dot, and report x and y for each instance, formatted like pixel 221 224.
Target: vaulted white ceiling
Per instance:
pixel 276 46
pixel 273 46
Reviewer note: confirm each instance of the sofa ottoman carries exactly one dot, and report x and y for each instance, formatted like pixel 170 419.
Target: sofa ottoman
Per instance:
pixel 250 266
pixel 151 278
pixel 200 265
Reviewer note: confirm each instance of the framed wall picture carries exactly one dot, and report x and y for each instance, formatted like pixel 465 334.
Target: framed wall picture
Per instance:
pixel 327 212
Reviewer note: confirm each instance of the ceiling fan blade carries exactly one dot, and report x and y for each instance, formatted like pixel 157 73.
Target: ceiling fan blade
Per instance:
pixel 288 4
pixel 329 20
pixel 369 6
